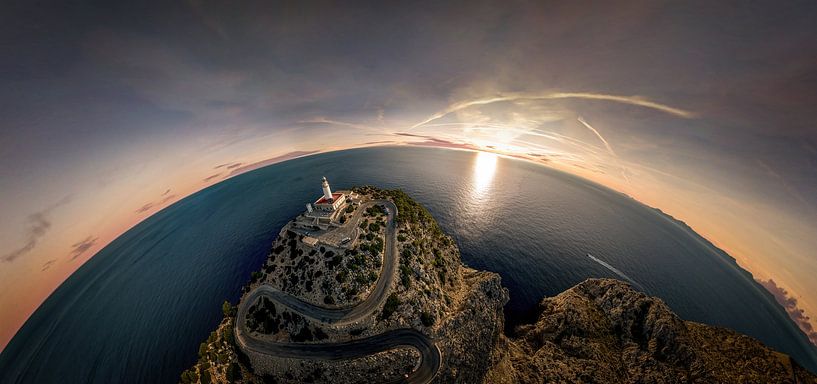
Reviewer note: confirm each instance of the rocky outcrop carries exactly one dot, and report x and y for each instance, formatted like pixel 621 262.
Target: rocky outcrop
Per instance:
pixel 600 331
pixel 468 337
pixel 603 331
pixel 430 292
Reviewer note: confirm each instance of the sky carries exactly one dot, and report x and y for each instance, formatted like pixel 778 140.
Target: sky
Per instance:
pixel 110 111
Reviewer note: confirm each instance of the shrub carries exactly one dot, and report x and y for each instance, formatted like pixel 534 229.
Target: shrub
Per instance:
pixel 205 377
pixel 228 336
pixel 189 376
pixel 405 275
pixel 227 309
pixel 377 246
pixel 341 276
pixel 391 305
pixel 361 279
pixel 233 372
pixel 427 319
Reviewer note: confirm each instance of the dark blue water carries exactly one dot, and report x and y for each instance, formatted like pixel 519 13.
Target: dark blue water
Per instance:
pixel 137 311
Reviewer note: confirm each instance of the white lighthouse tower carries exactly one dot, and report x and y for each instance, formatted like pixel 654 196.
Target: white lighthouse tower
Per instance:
pixel 327 192
pixel 326 211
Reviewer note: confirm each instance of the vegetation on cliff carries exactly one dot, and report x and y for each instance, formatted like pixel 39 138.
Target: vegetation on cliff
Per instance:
pixel 600 331
pixel 604 331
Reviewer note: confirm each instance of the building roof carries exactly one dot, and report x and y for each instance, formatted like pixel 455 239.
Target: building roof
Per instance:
pixel 335 196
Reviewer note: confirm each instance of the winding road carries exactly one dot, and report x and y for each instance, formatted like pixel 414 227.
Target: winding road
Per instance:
pixel 430 358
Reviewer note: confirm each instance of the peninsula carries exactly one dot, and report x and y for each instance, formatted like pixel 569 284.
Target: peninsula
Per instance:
pixel 364 287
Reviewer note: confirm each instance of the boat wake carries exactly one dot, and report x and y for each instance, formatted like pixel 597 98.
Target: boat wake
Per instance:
pixel 617 272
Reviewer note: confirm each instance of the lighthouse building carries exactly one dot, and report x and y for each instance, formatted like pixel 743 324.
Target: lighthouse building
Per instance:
pixel 329 201
pixel 327 209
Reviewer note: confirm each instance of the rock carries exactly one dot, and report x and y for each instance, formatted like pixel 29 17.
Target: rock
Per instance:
pixel 604 331
pixel 600 331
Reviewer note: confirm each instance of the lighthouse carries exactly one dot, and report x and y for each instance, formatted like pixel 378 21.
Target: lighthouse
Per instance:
pixel 327 192
pixel 327 209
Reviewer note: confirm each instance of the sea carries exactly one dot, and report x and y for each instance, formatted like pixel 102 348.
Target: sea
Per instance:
pixel 137 311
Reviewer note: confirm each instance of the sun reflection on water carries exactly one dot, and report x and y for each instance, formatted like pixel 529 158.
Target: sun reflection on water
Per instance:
pixel 484 170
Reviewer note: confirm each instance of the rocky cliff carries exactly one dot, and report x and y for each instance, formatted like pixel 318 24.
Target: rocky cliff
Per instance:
pixel 603 331
pixel 600 331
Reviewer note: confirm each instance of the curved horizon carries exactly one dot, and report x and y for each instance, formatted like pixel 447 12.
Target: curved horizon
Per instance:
pixel 286 157
pixel 112 114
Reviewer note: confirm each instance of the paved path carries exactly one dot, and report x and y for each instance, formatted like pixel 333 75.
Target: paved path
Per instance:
pixel 429 353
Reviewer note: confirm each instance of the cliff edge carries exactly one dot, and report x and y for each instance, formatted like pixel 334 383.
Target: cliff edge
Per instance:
pixel 604 331
pixel 381 295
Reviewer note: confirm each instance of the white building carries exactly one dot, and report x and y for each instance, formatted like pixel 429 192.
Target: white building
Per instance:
pixel 329 202
pixel 326 210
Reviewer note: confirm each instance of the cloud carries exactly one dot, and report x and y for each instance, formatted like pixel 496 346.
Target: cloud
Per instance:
pixel 79 248
pixel 228 165
pixel 784 183
pixel 509 128
pixel 211 177
pixel 798 315
pixel 502 97
pixel 48 265
pixel 606 145
pixel 595 131
pixel 379 142
pixel 273 160
pixel 145 208
pixel 164 198
pixel 632 100
pixel 324 120
pixel 431 141
pixel 38 224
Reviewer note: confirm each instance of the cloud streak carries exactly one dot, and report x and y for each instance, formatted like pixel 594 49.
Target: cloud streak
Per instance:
pixel 82 246
pixel 144 208
pixel 38 224
pixel 277 159
pixel 228 165
pixel 324 120
pixel 211 177
pixel 606 145
pixel 596 132
pixel 554 136
pixel 164 198
pixel 504 97
pixel 48 265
